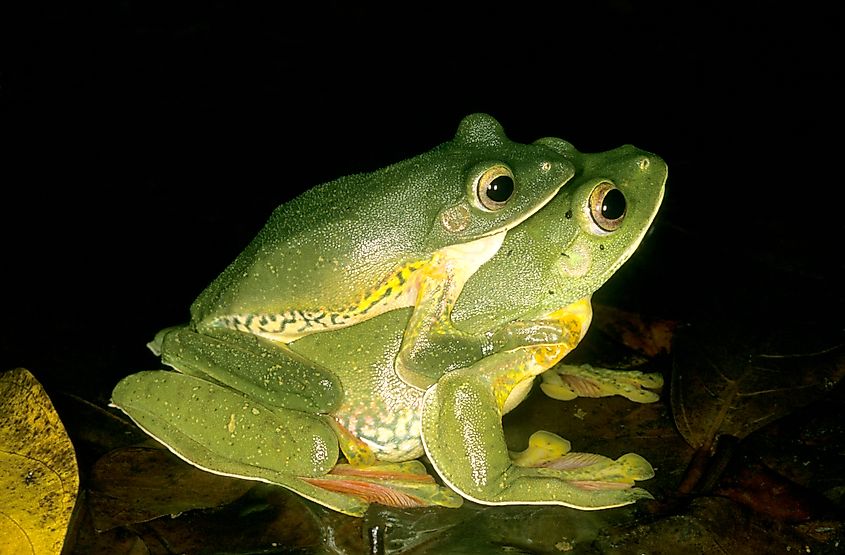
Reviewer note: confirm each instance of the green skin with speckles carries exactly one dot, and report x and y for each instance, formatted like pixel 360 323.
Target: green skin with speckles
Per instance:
pixel 435 300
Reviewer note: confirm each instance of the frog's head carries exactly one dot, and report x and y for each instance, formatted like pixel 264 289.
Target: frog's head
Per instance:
pixel 573 244
pixel 503 182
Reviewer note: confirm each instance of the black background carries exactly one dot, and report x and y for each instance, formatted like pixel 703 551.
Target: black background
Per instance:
pixel 147 142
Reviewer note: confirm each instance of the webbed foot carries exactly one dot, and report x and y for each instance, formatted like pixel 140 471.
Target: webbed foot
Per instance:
pixel 584 470
pixel 464 441
pixel 566 382
pixel 401 485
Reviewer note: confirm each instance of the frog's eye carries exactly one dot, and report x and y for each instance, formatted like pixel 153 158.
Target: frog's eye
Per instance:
pixel 607 206
pixel 495 187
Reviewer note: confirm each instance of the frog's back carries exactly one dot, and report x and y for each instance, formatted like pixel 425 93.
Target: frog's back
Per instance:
pixel 328 245
pixel 353 248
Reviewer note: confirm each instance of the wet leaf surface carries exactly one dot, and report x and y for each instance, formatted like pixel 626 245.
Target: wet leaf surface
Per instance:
pixel 38 473
pixel 734 380
pixel 731 379
pixel 137 484
pixel 807 447
pixel 266 520
pixel 752 484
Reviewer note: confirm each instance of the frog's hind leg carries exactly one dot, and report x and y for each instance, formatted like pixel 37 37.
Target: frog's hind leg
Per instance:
pixel 463 438
pixel 403 485
pixel 567 381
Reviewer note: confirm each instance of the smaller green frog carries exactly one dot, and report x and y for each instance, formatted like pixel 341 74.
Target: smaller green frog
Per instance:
pixel 401 313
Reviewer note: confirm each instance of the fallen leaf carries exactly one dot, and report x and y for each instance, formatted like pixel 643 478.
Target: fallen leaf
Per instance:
pixel 734 380
pixel 137 484
pixel 759 488
pixel 267 519
pixel 649 336
pixel 707 525
pixel 38 474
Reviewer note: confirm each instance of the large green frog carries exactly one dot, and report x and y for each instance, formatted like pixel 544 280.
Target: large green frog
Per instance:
pixel 403 312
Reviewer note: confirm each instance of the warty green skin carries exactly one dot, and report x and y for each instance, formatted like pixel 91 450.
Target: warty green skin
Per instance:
pixel 555 258
pixel 559 255
pixel 237 394
pixel 337 240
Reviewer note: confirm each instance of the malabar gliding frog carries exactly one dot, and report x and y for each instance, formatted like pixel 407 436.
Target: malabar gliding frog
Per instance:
pixel 401 313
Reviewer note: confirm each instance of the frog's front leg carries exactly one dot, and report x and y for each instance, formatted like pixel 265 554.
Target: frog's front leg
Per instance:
pixel 432 345
pixel 463 438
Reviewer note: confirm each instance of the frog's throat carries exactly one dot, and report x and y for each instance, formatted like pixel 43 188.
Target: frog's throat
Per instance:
pixel 399 289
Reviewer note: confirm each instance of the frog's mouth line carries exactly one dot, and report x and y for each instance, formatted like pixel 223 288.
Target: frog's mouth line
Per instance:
pixel 528 213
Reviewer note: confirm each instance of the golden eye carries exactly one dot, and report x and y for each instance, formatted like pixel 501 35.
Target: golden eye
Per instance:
pixel 607 206
pixel 495 187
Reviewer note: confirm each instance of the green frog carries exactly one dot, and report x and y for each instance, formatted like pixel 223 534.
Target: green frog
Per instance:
pixel 401 313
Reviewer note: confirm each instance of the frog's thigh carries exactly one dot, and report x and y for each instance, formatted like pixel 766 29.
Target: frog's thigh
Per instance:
pixel 225 432
pixel 271 373
pixel 463 438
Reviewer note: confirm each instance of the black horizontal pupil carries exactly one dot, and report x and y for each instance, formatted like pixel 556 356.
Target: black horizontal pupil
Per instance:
pixel 613 205
pixel 500 189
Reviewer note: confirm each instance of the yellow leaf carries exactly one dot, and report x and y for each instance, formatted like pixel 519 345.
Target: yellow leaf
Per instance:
pixel 38 474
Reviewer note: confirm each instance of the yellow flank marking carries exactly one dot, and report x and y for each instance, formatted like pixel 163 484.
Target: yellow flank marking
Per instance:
pixel 356 451
pixel 548 355
pixel 290 325
pixel 392 287
pixel 504 384
pixel 400 288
